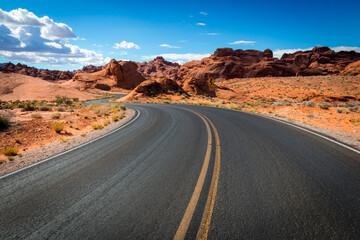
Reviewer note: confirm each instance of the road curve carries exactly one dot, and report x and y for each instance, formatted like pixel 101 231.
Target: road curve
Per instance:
pixel 274 182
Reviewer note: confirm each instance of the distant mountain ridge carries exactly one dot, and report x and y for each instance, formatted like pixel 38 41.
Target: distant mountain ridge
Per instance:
pixel 225 63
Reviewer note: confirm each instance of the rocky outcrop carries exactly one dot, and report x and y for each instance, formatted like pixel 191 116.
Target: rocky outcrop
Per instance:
pixel 159 68
pixel 50 75
pixel 352 69
pixel 227 63
pixel 121 74
pixel 46 74
pixel 154 87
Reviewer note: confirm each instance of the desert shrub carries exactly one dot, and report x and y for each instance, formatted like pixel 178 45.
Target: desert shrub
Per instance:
pixel 10 151
pixel 282 103
pixel 325 105
pixel 4 123
pixel 340 110
pixel 341 105
pixel 354 109
pixel 114 118
pixel 75 99
pixel 353 104
pixel 309 104
pixel 36 116
pixel 63 100
pixel 58 126
pixel 56 116
pixel 44 108
pixel 27 107
pixel 122 107
pixel 17 141
pixel 61 109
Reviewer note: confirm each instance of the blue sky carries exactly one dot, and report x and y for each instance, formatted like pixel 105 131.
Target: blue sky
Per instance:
pixel 78 33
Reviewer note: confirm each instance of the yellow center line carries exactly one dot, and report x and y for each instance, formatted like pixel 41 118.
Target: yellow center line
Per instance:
pixel 210 202
pixel 185 222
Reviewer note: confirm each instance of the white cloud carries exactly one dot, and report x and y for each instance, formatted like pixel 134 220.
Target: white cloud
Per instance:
pixel 25 37
pixel 168 46
pixel 201 24
pixel 243 42
pixel 123 53
pixel 180 62
pixel 78 56
pixel 344 48
pixel 203 13
pixel 213 34
pixel 277 53
pixel 53 44
pixel 126 45
pixel 183 41
pixel 23 18
pixel 183 56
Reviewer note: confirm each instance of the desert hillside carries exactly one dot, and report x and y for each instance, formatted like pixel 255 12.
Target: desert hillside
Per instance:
pixel 19 87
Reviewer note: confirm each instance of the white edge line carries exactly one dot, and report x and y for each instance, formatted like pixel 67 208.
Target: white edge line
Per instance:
pixel 71 149
pixel 302 128
pixel 290 124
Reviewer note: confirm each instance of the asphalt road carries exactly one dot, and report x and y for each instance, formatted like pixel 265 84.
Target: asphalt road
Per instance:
pixel 263 180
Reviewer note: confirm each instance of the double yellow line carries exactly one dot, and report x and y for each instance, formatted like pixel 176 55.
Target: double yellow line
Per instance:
pixel 210 202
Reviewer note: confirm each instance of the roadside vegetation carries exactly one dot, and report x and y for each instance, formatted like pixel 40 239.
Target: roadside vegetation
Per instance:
pixel 24 124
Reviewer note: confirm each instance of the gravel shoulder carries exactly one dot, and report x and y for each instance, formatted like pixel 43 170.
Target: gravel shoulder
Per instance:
pixel 56 147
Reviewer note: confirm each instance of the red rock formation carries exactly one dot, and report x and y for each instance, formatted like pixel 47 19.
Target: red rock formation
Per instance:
pixel 159 68
pixel 154 87
pixel 115 75
pixel 227 63
pixel 352 69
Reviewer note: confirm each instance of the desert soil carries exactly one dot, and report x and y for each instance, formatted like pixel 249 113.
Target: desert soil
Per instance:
pixel 41 142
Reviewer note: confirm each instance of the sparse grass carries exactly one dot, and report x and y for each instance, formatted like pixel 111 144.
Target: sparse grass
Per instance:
pixel 106 122
pixel 97 126
pixel 117 117
pixel 64 140
pixel 355 120
pixel 104 95
pixel 36 116
pixel 10 151
pixel 56 116
pixel 58 126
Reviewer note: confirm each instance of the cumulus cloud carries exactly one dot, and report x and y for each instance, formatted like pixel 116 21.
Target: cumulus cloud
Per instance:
pixel 277 53
pixel 243 42
pixel 344 48
pixel 126 45
pixel 203 13
pixel 29 38
pixel 181 56
pixel 168 46
pixel 201 24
